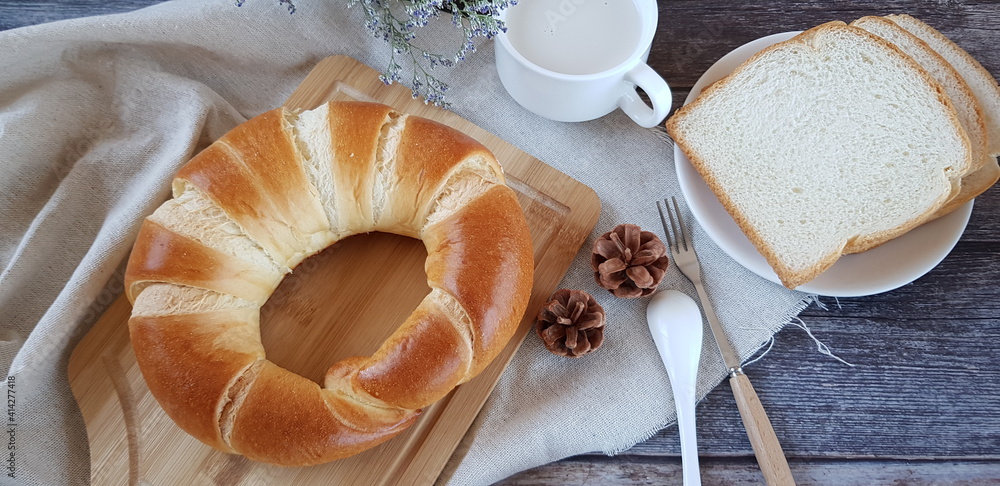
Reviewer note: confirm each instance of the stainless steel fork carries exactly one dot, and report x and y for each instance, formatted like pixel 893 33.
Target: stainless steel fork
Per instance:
pixel 765 444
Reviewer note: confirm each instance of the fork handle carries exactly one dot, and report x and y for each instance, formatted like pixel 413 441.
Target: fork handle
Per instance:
pixel 770 457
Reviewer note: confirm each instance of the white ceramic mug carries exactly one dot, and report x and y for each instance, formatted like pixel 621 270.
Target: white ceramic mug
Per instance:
pixel 577 60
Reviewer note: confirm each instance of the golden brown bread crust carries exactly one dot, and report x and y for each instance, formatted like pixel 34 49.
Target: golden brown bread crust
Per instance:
pixel 463 257
pixel 187 359
pixel 419 363
pixel 423 167
pixel 286 419
pixel 973 185
pixel 255 174
pixel 464 254
pixel 197 338
pixel 356 129
pixel 191 263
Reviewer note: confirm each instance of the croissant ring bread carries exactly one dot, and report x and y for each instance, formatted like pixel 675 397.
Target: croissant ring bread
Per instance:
pixel 278 189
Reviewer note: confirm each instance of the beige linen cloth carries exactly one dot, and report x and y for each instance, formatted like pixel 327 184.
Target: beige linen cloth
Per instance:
pixel 97 114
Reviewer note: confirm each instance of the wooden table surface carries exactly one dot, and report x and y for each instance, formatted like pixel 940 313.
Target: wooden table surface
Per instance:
pixel 921 404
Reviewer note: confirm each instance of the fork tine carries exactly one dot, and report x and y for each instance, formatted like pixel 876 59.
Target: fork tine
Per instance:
pixel 666 231
pixel 683 229
pixel 678 235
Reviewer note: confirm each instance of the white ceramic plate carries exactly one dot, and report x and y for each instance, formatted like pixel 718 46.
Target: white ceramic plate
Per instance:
pixel 889 266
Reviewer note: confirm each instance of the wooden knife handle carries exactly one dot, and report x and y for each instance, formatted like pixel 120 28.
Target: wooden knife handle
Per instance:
pixel 770 457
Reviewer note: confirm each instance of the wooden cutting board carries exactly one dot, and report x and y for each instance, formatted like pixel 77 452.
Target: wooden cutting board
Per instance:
pixel 341 302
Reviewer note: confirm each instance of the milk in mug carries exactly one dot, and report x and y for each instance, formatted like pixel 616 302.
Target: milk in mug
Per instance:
pixel 575 36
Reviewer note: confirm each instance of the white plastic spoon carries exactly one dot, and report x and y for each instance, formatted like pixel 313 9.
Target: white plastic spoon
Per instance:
pixel 675 323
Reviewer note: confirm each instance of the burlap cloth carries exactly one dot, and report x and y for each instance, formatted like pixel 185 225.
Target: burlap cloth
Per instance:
pixel 97 114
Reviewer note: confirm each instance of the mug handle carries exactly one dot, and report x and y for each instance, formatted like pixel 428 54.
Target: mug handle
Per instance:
pixel 655 87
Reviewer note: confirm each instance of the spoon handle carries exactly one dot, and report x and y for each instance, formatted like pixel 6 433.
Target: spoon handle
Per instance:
pixel 685 402
pixel 765 444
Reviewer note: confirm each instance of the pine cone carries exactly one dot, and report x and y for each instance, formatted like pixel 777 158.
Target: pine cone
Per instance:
pixel 571 324
pixel 629 262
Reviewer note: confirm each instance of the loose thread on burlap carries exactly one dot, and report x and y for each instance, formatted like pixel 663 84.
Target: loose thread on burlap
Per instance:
pixel 821 305
pixel 770 344
pixel 820 346
pixel 662 134
pixel 790 319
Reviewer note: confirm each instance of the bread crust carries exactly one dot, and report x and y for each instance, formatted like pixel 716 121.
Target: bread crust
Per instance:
pixel 192 264
pixel 356 130
pixel 974 123
pixel 991 88
pixel 289 420
pixel 202 357
pixel 255 174
pixel 187 359
pixel 987 173
pixel 422 168
pixel 791 277
pixel 973 185
pixel 465 255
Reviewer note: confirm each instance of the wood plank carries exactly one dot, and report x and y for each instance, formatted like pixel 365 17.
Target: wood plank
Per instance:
pixel 330 308
pixel 21 13
pixel 693 33
pixel 737 471
pixel 922 396
pixel 962 287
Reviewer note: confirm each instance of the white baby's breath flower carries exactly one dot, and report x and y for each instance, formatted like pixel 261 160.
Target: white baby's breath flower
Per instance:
pixel 396 22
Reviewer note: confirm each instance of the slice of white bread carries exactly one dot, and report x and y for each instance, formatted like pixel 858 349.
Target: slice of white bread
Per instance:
pixel 969 112
pixel 830 143
pixel 984 87
pixel 973 185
